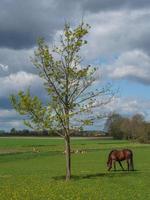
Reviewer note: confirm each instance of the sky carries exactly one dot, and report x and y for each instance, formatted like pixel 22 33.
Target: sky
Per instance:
pixel 118 44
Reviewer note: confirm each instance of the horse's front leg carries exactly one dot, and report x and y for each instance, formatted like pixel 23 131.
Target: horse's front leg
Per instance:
pixel 110 165
pixel 121 165
pixel 114 162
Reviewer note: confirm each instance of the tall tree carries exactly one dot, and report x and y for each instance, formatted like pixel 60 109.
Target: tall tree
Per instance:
pixel 113 125
pixel 71 88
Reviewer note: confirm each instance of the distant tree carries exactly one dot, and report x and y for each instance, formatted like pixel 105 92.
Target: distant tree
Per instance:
pixel 148 130
pixel 13 131
pixel 126 128
pixel 139 128
pixel 133 128
pixel 2 132
pixel 70 87
pixel 25 132
pixel 113 126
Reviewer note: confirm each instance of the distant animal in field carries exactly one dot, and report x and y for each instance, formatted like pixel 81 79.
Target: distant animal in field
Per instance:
pixel 80 151
pixel 120 155
pixel 71 151
pixel 77 151
pixel 35 150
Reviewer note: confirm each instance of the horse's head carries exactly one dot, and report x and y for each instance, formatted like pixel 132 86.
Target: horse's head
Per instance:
pixel 110 159
pixel 109 164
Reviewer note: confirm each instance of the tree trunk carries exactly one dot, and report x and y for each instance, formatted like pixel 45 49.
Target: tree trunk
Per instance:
pixel 68 158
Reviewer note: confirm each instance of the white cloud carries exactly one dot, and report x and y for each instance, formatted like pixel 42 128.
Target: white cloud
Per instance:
pixel 124 106
pixel 5 113
pixel 17 124
pixel 17 60
pixel 19 81
pixel 9 118
pixel 114 32
pixel 3 67
pixel 7 125
pixel 129 106
pixel 132 65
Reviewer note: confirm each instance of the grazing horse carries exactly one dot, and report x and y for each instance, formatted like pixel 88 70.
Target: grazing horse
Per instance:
pixel 120 155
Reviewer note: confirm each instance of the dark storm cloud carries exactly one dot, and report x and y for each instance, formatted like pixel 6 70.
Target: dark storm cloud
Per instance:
pixel 18 39
pixel 100 5
pixel 22 22
pixel 104 5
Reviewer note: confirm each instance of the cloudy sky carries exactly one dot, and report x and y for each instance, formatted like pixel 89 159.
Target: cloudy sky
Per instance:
pixel 118 43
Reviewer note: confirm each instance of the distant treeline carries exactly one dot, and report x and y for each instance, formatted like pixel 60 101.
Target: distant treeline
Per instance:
pixel 130 128
pixel 26 132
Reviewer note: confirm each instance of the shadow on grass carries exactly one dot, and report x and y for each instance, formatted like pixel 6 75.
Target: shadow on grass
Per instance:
pixel 118 173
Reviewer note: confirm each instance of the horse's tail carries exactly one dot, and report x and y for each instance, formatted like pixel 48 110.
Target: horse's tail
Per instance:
pixel 131 161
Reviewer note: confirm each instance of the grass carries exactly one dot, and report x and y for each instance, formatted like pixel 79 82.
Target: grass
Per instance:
pixel 29 175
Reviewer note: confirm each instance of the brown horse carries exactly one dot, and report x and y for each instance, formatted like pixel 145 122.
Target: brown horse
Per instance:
pixel 120 155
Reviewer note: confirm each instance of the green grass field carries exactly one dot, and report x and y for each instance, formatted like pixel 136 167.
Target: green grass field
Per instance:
pixel 34 169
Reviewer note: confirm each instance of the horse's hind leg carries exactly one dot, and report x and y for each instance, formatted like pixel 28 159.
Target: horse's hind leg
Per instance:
pixel 131 163
pixel 121 165
pixel 128 164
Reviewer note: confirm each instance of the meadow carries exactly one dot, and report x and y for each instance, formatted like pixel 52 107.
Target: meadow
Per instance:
pixel 34 169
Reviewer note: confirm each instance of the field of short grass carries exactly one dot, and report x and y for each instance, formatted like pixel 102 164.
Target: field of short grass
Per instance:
pixel 34 169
